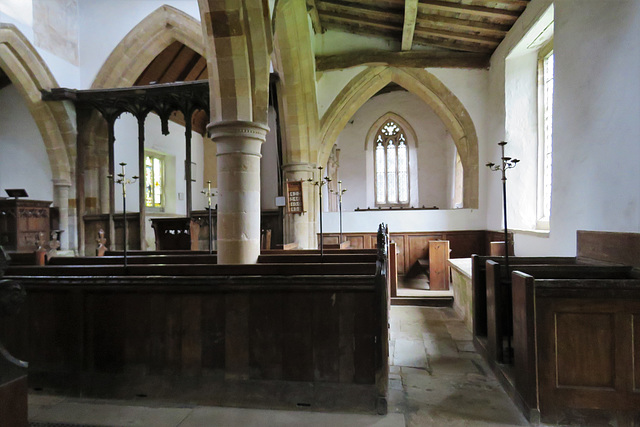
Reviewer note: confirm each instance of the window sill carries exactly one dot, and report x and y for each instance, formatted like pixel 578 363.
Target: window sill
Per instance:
pixel 536 233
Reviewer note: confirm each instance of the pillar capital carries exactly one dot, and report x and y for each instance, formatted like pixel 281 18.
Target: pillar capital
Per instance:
pixel 238 146
pixel 61 183
pixel 237 129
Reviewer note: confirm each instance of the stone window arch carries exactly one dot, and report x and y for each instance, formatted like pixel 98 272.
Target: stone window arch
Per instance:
pixel 391 159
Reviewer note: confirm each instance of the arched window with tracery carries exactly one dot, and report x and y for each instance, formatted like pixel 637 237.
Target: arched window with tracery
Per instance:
pixel 391 160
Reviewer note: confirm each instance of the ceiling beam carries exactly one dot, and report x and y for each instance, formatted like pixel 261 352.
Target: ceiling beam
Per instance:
pixel 436 41
pixel 360 29
pixel 312 9
pixel 413 59
pixel 465 37
pixel 522 3
pixel 486 12
pixel 410 15
pixel 361 10
pixel 462 24
pixel 360 21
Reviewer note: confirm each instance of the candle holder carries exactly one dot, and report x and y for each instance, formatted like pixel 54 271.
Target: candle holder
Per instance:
pixel 339 193
pixel 124 181
pixel 209 194
pixel 320 183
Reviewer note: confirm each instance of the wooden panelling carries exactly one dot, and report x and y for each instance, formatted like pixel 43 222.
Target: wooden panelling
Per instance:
pixel 13 401
pixel 585 349
pixel 413 246
pixel 635 351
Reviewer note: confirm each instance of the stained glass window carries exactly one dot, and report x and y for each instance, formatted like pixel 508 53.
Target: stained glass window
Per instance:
pixel 154 181
pixel 391 165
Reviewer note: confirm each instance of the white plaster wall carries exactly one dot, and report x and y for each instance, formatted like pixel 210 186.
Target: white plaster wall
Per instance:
pixel 20 14
pixel 404 221
pixel 596 178
pixel 103 25
pixel 431 158
pixel 172 145
pixel 24 162
pixel 329 85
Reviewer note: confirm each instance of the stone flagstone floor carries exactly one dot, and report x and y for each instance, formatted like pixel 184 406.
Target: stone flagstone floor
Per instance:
pixel 436 380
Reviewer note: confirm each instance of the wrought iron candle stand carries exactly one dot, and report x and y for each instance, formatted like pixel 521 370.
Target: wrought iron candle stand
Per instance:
pixel 339 193
pixel 506 163
pixel 320 184
pixel 209 195
pixel 124 181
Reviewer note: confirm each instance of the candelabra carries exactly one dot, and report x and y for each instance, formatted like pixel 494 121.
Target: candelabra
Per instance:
pixel 339 193
pixel 124 181
pixel 320 183
pixel 209 194
pixel 506 163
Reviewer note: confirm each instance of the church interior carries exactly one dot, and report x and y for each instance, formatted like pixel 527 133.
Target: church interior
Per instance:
pixel 319 206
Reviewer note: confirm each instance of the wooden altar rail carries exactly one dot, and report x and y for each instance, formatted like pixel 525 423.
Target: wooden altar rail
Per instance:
pixel 577 349
pixel 281 335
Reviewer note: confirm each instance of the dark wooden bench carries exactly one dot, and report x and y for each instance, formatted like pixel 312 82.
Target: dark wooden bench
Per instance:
pixel 500 308
pixel 278 334
pixel 479 289
pixel 576 345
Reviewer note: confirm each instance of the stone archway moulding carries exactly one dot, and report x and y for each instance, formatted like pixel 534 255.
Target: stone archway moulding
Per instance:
pixel 29 73
pixel 432 91
pixel 144 42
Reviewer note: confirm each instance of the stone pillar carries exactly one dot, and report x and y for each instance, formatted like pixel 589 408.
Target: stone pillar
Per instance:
pixel 61 200
pixel 238 146
pixel 301 229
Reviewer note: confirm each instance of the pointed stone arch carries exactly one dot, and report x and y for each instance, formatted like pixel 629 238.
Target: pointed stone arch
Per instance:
pixel 432 91
pixel 144 42
pixel 29 73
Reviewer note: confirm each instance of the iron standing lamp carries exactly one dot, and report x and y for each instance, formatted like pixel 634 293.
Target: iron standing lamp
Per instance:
pixel 124 182
pixel 340 192
pixel 319 184
pixel 507 163
pixel 209 194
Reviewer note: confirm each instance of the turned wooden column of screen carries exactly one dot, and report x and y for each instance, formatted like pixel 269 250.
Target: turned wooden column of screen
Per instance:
pixel 142 204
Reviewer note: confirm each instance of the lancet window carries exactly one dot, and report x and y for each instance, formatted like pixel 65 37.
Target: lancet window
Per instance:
pixel 391 160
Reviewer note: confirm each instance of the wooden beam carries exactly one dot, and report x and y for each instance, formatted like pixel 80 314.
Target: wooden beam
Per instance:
pixel 522 3
pixel 413 59
pixel 358 21
pixel 439 21
pixel 392 35
pixel 361 11
pixel 410 15
pixel 489 41
pixel 312 9
pixel 489 12
pixel 449 45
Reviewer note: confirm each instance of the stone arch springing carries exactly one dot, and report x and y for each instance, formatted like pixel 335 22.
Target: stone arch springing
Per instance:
pixel 29 73
pixel 432 91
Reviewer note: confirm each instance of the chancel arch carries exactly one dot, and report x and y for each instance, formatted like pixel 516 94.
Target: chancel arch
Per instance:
pixel 428 88
pixel 28 72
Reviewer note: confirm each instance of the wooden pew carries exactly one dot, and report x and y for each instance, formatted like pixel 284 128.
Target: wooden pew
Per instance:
pixel 479 290
pixel 308 330
pixel 499 297
pixel 576 346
